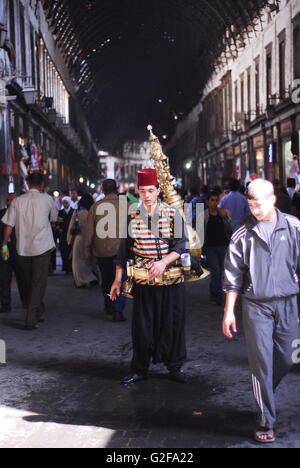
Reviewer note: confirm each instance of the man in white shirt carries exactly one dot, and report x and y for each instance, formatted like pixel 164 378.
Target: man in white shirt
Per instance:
pixel 31 216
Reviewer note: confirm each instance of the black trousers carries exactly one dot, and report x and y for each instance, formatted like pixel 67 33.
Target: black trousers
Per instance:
pixel 35 273
pixel 6 273
pixel 158 327
pixel 107 268
pixel 65 251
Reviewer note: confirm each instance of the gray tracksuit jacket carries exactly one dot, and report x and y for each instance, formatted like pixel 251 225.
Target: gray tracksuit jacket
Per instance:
pixel 258 271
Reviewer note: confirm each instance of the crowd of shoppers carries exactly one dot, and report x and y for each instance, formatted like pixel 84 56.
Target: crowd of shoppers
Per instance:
pixel 34 227
pixel 252 247
pixel 92 260
pixel 224 211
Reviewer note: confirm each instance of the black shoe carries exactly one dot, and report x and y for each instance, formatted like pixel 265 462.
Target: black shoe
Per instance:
pixel 132 379
pixel 31 327
pixel 119 317
pixel 178 376
pixel 4 309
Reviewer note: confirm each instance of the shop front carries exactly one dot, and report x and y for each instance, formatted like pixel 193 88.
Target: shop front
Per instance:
pixel 245 169
pixel 213 174
pixel 204 172
pixel 286 131
pixel 273 171
pixel 237 163
pixel 209 171
pixel 220 169
pixel 296 138
pixel 26 146
pixel 7 155
pixel 229 171
pixel 258 144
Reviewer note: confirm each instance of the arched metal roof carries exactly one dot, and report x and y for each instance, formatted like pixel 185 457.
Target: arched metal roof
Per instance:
pixel 125 56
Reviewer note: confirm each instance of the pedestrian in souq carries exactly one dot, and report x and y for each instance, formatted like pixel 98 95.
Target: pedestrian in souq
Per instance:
pixel 31 216
pixel 158 323
pixel 217 234
pixel 103 246
pixel 263 265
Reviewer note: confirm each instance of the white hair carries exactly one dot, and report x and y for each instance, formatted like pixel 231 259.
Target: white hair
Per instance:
pixel 260 188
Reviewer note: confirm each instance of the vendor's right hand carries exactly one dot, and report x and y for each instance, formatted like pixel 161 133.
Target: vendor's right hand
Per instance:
pixel 115 290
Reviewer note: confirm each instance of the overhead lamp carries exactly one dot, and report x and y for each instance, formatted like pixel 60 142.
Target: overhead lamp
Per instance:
pixel 188 165
pixel 81 180
pixel 30 95
pixel 3 35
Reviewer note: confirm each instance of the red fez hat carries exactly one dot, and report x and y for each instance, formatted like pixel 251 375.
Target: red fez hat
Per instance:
pixel 147 177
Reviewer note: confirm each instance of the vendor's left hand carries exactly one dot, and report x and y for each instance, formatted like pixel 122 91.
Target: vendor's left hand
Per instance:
pixel 157 269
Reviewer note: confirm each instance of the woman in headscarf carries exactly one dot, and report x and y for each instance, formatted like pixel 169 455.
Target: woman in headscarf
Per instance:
pixel 83 269
pixel 63 222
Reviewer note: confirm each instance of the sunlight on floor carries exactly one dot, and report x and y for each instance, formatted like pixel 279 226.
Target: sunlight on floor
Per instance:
pixel 18 429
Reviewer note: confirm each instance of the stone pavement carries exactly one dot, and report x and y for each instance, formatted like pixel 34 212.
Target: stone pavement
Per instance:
pixel 61 387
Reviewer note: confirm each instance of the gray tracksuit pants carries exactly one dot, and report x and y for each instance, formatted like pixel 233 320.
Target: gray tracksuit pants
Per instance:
pixel 270 327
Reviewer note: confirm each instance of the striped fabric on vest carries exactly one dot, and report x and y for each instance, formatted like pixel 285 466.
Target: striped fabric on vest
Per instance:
pixel 146 245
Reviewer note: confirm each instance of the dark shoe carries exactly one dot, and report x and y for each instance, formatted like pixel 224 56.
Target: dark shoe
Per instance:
pixel 132 379
pixel 31 327
pixel 4 309
pixel 41 320
pixel 178 376
pixel 119 317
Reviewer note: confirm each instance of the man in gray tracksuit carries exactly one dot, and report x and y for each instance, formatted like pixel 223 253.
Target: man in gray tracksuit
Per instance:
pixel 263 264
